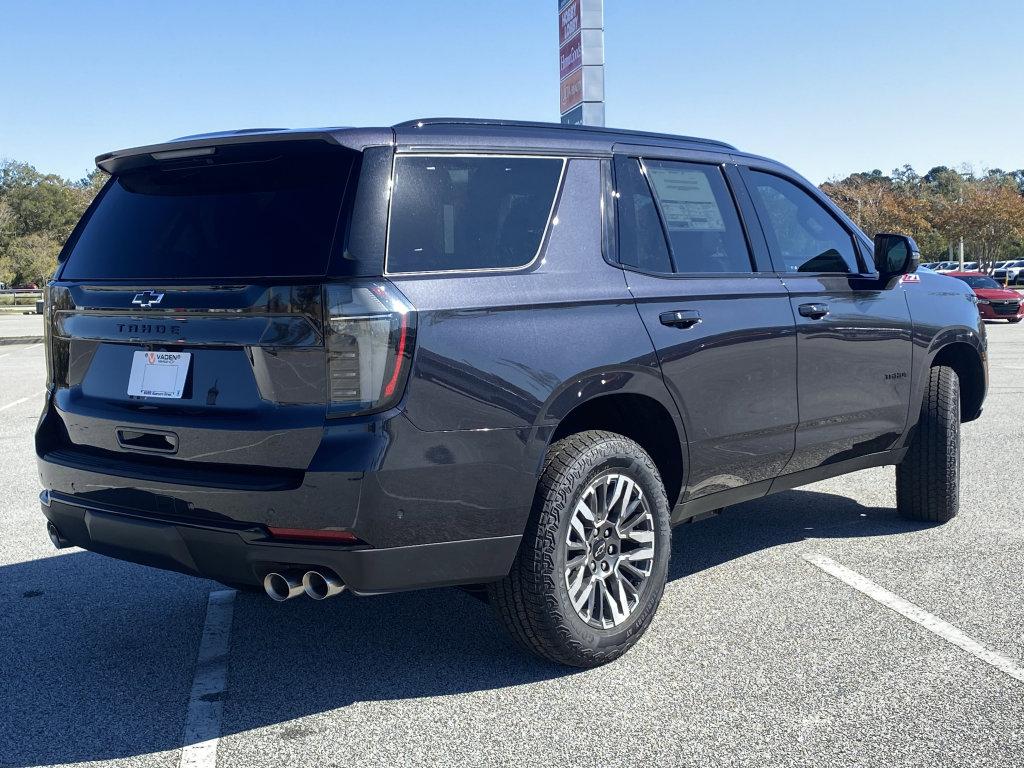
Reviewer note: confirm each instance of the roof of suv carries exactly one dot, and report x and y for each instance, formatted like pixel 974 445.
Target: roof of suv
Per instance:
pixel 460 124
pixel 430 132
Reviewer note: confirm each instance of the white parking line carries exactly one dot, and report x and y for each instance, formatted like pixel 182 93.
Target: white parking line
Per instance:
pixel 23 349
pixel 206 702
pixel 20 400
pixel 929 621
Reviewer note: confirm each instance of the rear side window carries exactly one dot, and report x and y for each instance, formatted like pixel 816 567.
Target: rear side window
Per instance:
pixel 464 213
pixel 703 227
pixel 641 239
pixel 802 235
pixel 271 211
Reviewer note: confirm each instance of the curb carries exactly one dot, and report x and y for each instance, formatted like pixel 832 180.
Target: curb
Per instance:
pixel 20 340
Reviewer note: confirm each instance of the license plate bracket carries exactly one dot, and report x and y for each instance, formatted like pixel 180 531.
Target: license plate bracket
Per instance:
pixel 159 374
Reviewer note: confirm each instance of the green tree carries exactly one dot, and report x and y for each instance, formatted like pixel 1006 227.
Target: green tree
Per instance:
pixel 37 214
pixel 30 258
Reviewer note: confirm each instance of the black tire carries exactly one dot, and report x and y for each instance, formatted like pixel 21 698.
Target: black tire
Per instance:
pixel 1014 320
pixel 533 601
pixel 928 479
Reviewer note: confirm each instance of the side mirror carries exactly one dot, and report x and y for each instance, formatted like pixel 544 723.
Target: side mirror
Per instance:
pixel 895 255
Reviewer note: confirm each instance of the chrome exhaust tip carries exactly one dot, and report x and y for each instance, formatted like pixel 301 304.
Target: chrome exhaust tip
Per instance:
pixel 320 586
pixel 58 541
pixel 282 586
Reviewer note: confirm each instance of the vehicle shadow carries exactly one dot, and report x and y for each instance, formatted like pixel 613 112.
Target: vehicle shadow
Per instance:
pixel 783 518
pixel 98 655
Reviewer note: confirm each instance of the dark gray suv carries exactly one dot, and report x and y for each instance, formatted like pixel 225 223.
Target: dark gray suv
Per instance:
pixel 463 352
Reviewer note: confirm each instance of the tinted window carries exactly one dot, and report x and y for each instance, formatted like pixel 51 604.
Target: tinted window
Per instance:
pixel 230 216
pixel 641 239
pixel 704 230
pixel 469 212
pixel 802 235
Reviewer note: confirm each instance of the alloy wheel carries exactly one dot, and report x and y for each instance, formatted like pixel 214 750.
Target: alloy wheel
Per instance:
pixel 609 550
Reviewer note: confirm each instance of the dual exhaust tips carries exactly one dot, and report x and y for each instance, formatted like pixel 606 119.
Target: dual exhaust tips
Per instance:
pixel 318 585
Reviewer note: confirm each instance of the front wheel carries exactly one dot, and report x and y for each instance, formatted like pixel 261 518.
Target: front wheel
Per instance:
pixel 1015 319
pixel 928 479
pixel 594 558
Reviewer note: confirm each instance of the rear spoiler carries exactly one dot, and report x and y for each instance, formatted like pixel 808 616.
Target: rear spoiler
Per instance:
pixel 122 160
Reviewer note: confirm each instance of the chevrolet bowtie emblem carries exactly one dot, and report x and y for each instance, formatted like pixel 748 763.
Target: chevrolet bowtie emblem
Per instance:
pixel 147 299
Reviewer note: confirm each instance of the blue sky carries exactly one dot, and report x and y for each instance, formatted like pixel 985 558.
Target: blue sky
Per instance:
pixel 827 87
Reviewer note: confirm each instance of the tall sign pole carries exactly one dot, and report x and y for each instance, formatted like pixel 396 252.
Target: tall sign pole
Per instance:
pixel 581 61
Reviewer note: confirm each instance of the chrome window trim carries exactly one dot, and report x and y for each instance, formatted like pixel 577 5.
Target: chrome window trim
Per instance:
pixel 481 270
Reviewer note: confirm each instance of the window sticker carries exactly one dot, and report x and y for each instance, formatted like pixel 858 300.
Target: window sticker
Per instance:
pixel 687 200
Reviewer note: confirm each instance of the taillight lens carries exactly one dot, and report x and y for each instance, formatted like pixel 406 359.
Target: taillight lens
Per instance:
pixel 48 331
pixel 371 329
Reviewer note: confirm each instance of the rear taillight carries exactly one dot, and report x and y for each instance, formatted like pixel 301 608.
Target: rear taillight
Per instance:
pixel 47 331
pixel 371 328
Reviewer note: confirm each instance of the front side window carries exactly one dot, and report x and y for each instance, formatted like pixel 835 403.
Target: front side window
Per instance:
pixel 468 213
pixel 802 235
pixel 703 227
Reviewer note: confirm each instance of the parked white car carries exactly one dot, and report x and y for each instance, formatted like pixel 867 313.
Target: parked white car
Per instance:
pixel 1012 273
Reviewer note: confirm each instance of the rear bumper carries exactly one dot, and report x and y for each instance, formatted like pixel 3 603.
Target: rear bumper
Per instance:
pixel 243 555
pixel 380 478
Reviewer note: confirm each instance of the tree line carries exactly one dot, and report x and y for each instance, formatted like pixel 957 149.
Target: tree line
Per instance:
pixel 939 209
pixel 37 213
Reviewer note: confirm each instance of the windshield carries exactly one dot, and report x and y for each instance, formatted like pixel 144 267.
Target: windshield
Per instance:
pixel 978 281
pixel 239 215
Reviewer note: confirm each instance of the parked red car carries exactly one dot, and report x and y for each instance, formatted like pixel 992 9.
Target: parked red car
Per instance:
pixel 994 301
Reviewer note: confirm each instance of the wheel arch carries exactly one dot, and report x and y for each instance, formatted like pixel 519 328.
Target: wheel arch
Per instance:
pixel 642 417
pixel 968 363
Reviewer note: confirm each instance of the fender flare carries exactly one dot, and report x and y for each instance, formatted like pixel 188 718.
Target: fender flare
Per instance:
pixel 597 383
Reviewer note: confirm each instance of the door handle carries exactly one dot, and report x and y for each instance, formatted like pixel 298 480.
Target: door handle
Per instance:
pixel 813 311
pixel 680 318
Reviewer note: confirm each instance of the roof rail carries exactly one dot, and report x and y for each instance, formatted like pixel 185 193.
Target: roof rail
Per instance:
pixel 536 124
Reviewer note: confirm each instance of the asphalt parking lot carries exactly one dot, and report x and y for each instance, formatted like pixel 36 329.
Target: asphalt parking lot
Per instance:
pixel 756 657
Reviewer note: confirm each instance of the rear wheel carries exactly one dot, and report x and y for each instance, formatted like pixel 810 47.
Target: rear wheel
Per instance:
pixel 1015 319
pixel 594 558
pixel 928 479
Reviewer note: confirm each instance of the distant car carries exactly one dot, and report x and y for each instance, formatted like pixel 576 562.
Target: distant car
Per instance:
pixel 26 287
pixel 1011 273
pixel 994 301
pixel 946 266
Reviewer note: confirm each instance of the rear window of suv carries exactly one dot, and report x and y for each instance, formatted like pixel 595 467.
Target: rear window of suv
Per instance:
pixel 468 213
pixel 244 212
